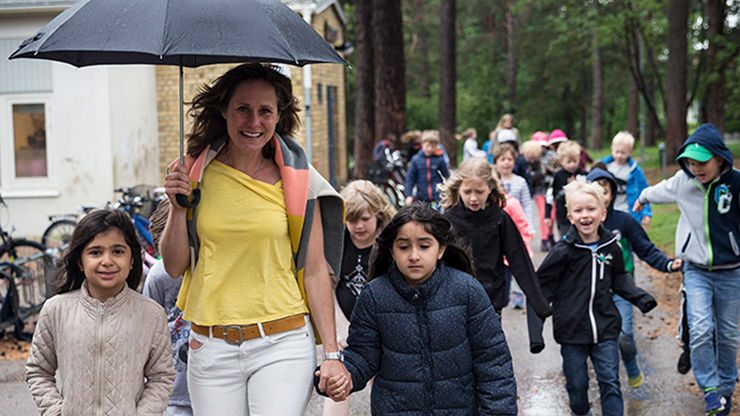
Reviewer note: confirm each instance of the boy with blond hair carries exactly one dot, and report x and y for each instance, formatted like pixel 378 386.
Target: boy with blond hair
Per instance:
pixel 707 190
pixel 578 278
pixel 569 153
pixel 427 169
pixel 630 178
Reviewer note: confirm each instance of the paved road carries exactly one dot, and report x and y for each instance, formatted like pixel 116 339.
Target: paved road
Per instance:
pixel 540 384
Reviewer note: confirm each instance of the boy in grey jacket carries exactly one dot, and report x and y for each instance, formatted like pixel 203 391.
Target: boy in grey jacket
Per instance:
pixel 707 190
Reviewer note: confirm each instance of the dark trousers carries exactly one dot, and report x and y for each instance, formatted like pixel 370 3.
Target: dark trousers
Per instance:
pixel 605 359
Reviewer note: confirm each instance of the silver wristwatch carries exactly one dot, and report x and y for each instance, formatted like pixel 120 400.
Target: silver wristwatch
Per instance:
pixel 339 355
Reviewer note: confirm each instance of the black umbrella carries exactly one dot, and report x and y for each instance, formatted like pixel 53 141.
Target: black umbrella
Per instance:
pixel 178 32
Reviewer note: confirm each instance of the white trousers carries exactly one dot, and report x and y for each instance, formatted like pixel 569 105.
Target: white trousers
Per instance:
pixel 266 376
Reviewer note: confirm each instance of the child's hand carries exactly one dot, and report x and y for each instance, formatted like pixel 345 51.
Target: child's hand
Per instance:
pixel 409 200
pixel 645 220
pixel 638 206
pixel 548 222
pixel 676 266
pixel 336 387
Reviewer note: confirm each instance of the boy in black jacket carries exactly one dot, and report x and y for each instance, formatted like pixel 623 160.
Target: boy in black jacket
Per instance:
pixel 631 237
pixel 578 277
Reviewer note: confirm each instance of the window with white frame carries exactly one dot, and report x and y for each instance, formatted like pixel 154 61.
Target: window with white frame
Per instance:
pixel 26 153
pixel 29 140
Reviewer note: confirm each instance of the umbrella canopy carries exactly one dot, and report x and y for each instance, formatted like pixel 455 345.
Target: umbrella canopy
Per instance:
pixel 186 33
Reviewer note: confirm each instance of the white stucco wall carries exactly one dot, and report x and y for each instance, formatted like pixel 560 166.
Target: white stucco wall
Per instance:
pixel 101 134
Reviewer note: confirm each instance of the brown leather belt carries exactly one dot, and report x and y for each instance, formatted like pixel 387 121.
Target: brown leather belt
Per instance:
pixel 236 334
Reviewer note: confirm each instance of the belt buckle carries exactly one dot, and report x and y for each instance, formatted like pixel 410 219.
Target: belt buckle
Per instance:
pixel 226 338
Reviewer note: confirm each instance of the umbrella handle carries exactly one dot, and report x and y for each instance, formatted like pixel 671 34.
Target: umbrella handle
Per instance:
pixel 182 200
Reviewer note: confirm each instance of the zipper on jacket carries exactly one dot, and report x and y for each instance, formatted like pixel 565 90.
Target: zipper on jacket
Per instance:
pixel 706 218
pixel 99 377
pixel 591 316
pixel 594 256
pixel 429 179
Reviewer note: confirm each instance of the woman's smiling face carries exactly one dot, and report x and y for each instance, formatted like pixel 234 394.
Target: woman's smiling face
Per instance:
pixel 251 115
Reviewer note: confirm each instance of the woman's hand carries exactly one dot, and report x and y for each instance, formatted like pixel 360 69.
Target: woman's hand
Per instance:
pixel 177 182
pixel 334 380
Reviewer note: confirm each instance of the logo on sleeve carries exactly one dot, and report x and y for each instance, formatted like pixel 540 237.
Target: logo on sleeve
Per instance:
pixel 723 199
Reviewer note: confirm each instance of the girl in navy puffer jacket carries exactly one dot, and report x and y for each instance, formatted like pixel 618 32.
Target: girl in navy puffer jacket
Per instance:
pixel 425 328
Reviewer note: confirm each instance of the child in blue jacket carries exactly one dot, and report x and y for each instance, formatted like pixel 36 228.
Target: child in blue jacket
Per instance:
pixel 707 190
pixel 631 237
pixel 630 178
pixel 425 329
pixel 427 169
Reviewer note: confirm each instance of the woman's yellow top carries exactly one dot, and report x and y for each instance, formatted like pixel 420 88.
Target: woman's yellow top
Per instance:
pixel 245 271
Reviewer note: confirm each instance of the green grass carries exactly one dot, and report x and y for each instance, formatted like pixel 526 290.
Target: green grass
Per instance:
pixel 662 229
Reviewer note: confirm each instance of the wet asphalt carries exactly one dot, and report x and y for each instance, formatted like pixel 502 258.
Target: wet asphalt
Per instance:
pixel 540 384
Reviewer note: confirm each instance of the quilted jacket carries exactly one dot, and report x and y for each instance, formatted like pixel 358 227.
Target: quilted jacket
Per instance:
pixel 101 353
pixel 437 349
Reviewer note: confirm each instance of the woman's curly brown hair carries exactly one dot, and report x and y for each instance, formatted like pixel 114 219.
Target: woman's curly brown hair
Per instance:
pixel 211 100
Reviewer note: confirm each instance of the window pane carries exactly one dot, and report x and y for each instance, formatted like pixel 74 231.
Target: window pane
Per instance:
pixel 29 128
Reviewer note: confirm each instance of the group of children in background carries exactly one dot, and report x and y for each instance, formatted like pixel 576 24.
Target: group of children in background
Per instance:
pixel 420 293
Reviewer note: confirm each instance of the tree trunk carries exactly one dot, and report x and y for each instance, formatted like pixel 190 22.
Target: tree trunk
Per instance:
pixel 447 106
pixel 364 91
pixel 651 129
pixel 715 94
pixel 423 48
pixel 633 100
pixel 390 84
pixel 597 94
pixel 676 74
pixel 633 109
pixel 510 55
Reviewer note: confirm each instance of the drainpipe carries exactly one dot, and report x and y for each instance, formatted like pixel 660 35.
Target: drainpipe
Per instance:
pixel 307 13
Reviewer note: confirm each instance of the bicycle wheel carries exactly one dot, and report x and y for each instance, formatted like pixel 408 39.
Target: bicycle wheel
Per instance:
pixel 33 275
pixel 390 194
pixel 58 234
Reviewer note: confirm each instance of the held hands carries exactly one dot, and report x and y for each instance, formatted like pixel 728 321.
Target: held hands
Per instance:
pixel 676 266
pixel 334 380
pixel 177 182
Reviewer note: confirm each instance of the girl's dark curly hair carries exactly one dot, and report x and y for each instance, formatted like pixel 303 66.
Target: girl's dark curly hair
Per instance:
pixel 206 107
pixel 70 274
pixel 456 255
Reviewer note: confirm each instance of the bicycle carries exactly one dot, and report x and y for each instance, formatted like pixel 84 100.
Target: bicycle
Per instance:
pixel 389 174
pixel 59 232
pixel 26 281
pixel 139 203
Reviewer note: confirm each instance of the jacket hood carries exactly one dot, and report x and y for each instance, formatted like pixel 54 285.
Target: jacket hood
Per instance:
pixel 598 173
pixel 708 136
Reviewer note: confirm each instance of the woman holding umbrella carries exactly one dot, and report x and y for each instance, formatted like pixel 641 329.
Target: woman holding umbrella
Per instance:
pixel 255 250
